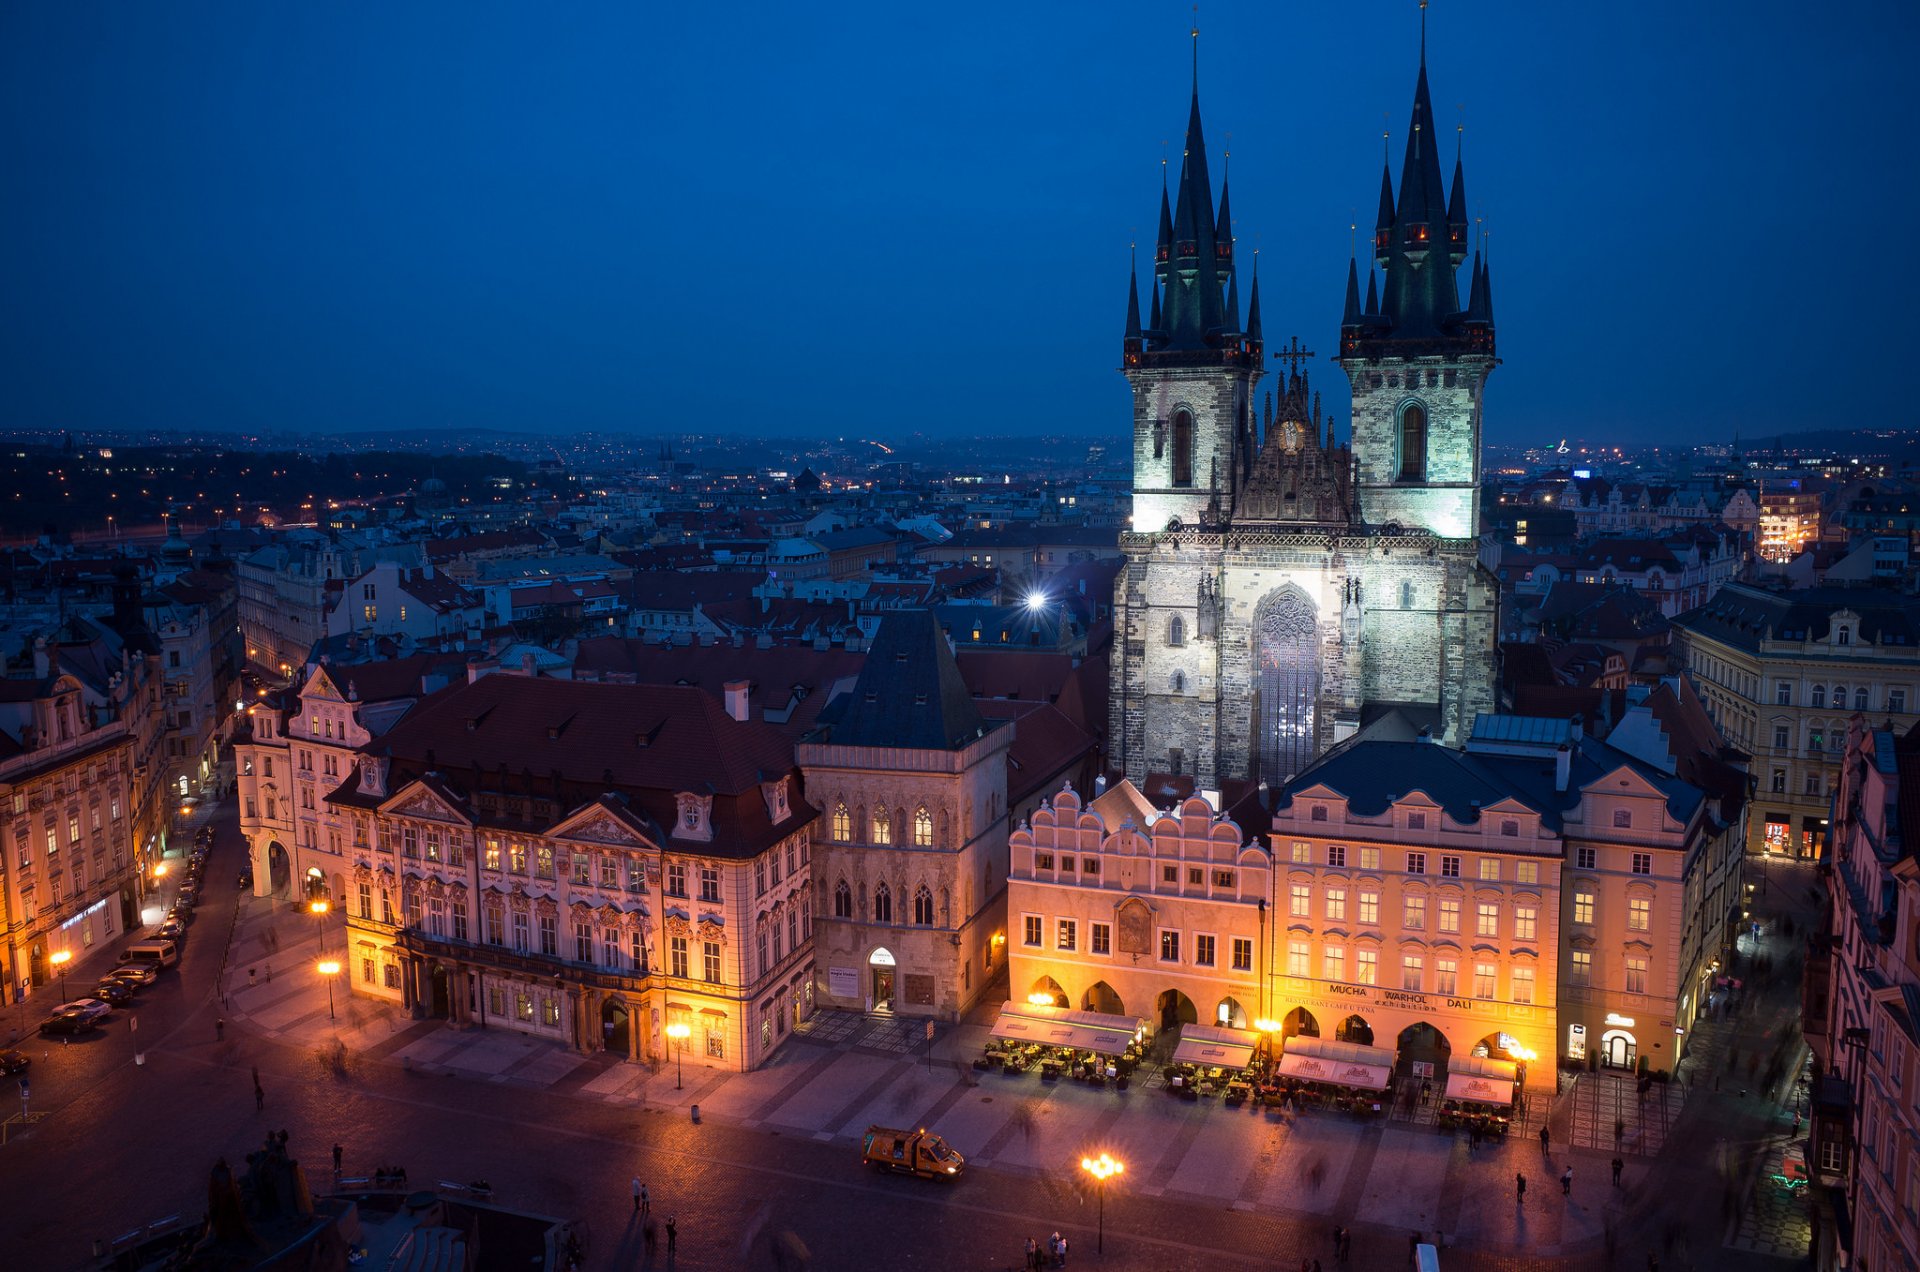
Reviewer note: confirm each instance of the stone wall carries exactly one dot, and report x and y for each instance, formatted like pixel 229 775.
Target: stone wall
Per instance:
pixel 1218 397
pixel 1447 503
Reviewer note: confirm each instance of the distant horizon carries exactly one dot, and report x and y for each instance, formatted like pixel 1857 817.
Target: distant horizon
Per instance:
pixel 274 218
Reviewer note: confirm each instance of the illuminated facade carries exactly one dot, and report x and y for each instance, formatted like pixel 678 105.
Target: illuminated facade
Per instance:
pixel 1277 581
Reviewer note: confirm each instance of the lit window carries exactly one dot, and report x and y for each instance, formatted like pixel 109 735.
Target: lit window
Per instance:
pixel 1300 901
pixel 1583 906
pixel 1639 914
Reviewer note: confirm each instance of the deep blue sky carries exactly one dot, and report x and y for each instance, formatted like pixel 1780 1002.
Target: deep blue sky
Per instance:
pixel 876 219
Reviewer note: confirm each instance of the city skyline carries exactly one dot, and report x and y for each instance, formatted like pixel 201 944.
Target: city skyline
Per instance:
pixel 274 221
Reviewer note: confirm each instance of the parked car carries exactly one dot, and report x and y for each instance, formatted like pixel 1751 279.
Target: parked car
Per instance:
pixel 12 1062
pixel 92 1008
pixel 64 1023
pixel 138 975
pixel 181 914
pixel 113 991
pixel 172 930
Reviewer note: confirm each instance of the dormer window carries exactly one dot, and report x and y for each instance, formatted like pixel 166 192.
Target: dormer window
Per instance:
pixel 696 814
pixel 1844 636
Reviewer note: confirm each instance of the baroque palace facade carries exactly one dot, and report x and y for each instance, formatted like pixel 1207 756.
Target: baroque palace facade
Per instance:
pixel 1278 584
pixel 590 863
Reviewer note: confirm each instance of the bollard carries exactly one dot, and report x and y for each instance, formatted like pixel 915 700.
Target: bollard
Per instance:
pixel 696 1113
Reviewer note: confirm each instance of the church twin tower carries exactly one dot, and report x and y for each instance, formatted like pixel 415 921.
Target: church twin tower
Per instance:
pixel 1281 589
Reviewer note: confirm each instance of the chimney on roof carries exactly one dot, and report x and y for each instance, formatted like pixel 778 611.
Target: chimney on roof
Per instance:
pixel 42 658
pixel 1562 767
pixel 527 664
pixel 1579 726
pixel 736 691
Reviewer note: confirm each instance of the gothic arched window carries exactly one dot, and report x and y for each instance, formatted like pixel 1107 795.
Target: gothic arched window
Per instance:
pixel 1183 448
pixel 923 907
pixel 882 826
pixel 883 904
pixel 1413 442
pixel 842 900
pixel 1176 631
pixel 1406 594
pixel 1286 653
pixel 842 823
pixel 922 827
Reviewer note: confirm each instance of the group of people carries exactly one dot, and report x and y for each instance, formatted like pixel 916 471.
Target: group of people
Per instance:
pixel 1051 1255
pixel 643 1209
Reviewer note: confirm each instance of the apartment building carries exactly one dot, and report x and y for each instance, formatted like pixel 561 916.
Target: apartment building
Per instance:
pixel 1781 673
pixel 1861 1020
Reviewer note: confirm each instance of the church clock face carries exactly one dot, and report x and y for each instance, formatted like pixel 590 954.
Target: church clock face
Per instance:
pixel 1290 434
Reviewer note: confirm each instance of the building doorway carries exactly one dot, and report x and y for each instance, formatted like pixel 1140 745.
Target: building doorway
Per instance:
pixel 279 869
pixel 616 1026
pixel 1617 1049
pixel 1046 992
pixel 442 997
pixel 1230 1014
pixel 1101 998
pixel 880 964
pixel 1420 1044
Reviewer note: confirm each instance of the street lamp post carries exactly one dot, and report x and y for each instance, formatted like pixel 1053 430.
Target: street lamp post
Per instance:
pixel 678 1033
pixel 329 968
pixel 60 960
pixel 318 907
pixel 1102 1168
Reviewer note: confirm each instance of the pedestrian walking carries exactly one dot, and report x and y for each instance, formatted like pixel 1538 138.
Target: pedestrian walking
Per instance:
pixel 336 1161
pixel 1053 1247
pixel 253 977
pixel 646 1203
pixel 220 1029
pixel 1543 1141
pixel 636 1194
pixel 259 1099
pixel 673 1236
pixel 269 973
pixel 1566 1182
pixel 1620 1127
pixel 1519 1189
pixel 1618 1166
pixel 1346 1245
pixel 1063 1256
pixel 1033 1255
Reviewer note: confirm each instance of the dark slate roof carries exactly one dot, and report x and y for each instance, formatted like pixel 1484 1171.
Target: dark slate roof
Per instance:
pixel 1373 773
pixel 1743 615
pixel 910 693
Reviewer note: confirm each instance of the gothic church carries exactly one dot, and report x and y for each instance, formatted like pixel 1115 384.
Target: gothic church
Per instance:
pixel 1282 588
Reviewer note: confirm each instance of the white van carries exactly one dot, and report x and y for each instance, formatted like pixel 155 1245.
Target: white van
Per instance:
pixel 164 952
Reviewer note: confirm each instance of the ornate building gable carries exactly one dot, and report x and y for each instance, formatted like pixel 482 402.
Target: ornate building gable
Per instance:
pixel 1299 477
pixel 418 799
pixel 603 823
pixel 320 686
pixel 695 819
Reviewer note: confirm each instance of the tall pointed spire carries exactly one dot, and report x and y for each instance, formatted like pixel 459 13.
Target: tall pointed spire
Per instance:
pixel 1153 318
pixel 1457 208
pixel 1383 224
pixel 1198 272
pixel 1351 316
pixel 1373 296
pixel 1133 301
pixel 1253 306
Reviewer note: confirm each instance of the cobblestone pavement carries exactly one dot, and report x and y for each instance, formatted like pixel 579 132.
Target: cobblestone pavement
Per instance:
pixel 1598 1101
pixel 1207 1187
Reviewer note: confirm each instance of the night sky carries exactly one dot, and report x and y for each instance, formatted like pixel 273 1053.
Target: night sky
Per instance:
pixel 875 220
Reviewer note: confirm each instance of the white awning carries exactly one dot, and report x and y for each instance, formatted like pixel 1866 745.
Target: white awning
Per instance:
pixel 1479 1088
pixel 1212 1045
pixel 1346 1063
pixel 1369 1077
pixel 1063 1027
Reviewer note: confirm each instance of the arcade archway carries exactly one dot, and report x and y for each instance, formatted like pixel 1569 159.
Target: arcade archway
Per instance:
pixel 1175 1009
pixel 279 868
pixel 1047 991
pixel 1355 1029
pixel 1230 1014
pixel 1421 1043
pixel 1100 997
pixel 616 1026
pixel 1299 1023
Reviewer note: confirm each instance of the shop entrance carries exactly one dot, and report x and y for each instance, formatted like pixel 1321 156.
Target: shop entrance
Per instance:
pixel 1230 1014
pixel 1101 998
pixel 880 965
pixel 1617 1049
pixel 442 999
pixel 315 885
pixel 279 869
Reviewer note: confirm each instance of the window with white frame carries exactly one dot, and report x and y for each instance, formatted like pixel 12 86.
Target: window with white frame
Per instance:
pixel 1521 978
pixel 1333 963
pixel 1412 973
pixel 1639 914
pixel 1300 900
pixel 1484 977
pixel 1446 976
pixel 1486 919
pixel 1580 967
pixel 1526 920
pixel 1366 966
pixel 1369 908
pixel 1336 905
pixel 1636 974
pixel 1449 915
pixel 1299 958
pixel 1414 913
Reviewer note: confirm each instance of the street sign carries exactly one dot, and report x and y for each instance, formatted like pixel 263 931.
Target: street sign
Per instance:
pixel 929 1031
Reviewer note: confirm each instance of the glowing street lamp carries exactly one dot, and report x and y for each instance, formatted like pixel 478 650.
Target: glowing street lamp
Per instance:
pixel 1040 998
pixel 318 907
pixel 1102 1168
pixel 329 968
pixel 60 960
pixel 679 1034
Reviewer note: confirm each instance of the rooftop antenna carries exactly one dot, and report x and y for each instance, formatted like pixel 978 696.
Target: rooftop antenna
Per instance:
pixel 1196 45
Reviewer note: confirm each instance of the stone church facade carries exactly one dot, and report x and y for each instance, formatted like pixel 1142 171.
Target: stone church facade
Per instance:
pixel 1282 587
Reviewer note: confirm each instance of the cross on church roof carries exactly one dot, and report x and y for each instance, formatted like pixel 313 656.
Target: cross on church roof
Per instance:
pixel 1292 354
